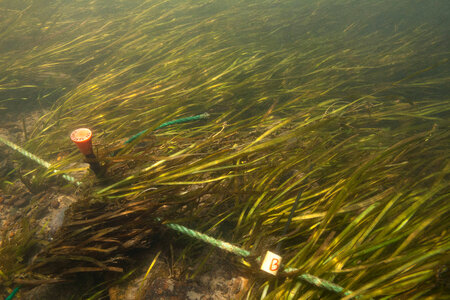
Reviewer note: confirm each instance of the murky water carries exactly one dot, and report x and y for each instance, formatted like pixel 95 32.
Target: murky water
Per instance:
pixel 322 96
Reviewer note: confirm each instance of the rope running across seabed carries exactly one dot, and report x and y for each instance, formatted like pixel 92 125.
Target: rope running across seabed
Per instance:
pixel 311 279
pixel 36 159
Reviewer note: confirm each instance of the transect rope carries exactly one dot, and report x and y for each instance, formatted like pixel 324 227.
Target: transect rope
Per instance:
pixel 36 159
pixel 178 121
pixel 311 279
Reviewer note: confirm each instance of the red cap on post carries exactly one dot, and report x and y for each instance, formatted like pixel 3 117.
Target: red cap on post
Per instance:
pixel 82 138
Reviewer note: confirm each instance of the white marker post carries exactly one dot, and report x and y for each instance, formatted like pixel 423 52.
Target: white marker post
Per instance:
pixel 271 263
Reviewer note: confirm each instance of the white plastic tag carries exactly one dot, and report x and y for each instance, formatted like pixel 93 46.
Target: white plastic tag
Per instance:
pixel 271 263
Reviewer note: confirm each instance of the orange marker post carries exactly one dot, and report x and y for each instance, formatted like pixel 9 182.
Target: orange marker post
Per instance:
pixel 82 137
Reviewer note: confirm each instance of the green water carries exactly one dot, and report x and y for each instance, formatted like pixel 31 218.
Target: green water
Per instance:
pixel 283 49
pixel 348 100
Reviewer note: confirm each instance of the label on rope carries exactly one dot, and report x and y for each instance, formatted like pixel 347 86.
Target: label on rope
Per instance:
pixel 271 263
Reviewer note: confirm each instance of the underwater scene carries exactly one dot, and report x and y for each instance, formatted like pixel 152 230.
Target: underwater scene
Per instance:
pixel 224 149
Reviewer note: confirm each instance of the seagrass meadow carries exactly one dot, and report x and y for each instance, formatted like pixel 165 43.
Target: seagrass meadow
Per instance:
pixel 345 101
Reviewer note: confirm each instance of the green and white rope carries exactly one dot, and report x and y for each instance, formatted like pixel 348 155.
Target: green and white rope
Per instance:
pixel 320 283
pixel 209 240
pixel 311 279
pixel 36 159
pixel 184 120
pixel 178 121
